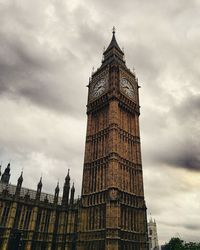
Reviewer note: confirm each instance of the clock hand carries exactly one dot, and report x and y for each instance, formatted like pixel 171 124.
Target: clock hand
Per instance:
pixel 126 87
pixel 99 88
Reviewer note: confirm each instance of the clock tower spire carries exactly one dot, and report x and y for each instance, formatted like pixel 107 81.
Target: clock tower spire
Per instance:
pixel 113 51
pixel 113 211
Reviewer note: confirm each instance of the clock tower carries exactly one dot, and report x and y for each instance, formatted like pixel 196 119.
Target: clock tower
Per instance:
pixel 113 211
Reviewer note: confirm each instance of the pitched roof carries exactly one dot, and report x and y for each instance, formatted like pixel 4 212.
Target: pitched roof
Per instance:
pixel 113 44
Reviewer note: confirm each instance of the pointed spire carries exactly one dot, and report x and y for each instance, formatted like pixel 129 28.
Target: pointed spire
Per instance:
pixel 19 184
pixel 66 188
pixel 57 189
pixel 113 43
pixel 113 51
pixel 20 179
pixel 7 169
pixel 67 178
pixel 93 70
pixel 6 175
pixel 39 189
pixel 40 183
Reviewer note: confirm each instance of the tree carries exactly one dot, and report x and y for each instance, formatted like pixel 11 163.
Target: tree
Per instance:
pixel 175 244
pixel 192 246
pixel 178 244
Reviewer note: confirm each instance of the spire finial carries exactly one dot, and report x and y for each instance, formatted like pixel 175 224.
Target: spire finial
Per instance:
pixel 92 70
pixel 113 30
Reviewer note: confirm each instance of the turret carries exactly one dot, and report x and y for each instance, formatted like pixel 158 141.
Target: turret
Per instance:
pixel 153 236
pixel 57 189
pixel 66 188
pixel 19 185
pixel 6 175
pixel 39 189
pixel 72 195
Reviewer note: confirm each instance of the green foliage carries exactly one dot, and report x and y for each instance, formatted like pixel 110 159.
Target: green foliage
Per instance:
pixel 178 244
pixel 175 244
pixel 192 246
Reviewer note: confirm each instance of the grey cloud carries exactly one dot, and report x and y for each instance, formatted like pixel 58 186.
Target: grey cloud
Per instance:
pixel 192 227
pixel 185 145
pixel 38 72
pixel 176 131
pixel 188 111
pixel 190 161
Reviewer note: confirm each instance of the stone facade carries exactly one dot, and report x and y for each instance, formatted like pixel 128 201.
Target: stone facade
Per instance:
pixel 34 220
pixel 111 214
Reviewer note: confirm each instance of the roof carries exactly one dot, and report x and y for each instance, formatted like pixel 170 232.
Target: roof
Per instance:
pixel 113 44
pixel 113 53
pixel 32 193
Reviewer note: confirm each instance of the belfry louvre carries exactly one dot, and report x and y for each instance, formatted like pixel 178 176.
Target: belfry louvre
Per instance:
pixel 111 212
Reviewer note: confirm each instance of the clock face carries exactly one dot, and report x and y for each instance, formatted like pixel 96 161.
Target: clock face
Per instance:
pixel 99 88
pixel 127 88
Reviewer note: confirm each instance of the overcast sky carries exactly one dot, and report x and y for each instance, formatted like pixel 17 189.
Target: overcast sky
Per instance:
pixel 47 51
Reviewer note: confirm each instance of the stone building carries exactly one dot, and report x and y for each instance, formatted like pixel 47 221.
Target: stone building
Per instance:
pixel 111 213
pixel 31 219
pixel 153 236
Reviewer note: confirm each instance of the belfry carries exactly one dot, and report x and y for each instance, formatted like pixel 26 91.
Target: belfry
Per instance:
pixel 113 211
